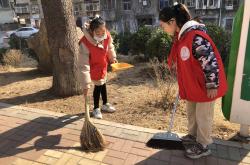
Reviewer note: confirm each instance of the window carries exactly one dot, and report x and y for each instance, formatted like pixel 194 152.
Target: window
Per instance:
pixel 189 3
pixel 23 29
pixel 108 4
pixel 4 4
pixel 76 8
pixel 22 8
pixel 211 3
pixel 229 24
pixel 199 4
pixel 126 4
pixel 163 3
pixel 144 21
pixel 35 9
pixel 203 4
pixel 229 4
pixel 92 7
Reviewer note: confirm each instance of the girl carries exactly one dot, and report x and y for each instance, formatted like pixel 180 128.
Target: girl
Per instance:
pixel 200 74
pixel 96 51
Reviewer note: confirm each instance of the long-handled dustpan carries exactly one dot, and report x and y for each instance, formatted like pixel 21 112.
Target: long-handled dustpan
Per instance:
pixel 167 140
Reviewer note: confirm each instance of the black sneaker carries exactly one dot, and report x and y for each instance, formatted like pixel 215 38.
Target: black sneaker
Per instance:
pixel 188 139
pixel 197 151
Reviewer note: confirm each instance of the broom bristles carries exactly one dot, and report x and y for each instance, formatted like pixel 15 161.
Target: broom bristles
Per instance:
pixel 91 138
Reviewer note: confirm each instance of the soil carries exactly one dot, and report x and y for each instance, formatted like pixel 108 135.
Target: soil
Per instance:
pixel 133 92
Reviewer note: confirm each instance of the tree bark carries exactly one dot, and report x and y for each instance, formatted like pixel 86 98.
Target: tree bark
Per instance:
pixel 63 43
pixel 39 43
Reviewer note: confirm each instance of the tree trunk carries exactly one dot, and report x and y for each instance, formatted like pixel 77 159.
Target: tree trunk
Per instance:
pixel 63 43
pixel 39 43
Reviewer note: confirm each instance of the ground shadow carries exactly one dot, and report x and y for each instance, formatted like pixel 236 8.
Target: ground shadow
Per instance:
pixel 40 96
pixel 238 138
pixel 176 157
pixel 39 127
pixel 12 77
pixel 132 77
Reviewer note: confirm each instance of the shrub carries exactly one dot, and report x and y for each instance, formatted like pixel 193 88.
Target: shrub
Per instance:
pixel 2 52
pixel 17 43
pixel 139 40
pixel 221 38
pixel 124 40
pixel 114 35
pixel 158 45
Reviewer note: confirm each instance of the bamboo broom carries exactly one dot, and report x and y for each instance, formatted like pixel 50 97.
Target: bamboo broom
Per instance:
pixel 91 138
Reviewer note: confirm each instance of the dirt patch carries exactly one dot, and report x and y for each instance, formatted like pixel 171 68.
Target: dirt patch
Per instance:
pixel 133 92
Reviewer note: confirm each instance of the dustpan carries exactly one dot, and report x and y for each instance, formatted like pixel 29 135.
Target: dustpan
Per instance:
pixel 120 66
pixel 167 140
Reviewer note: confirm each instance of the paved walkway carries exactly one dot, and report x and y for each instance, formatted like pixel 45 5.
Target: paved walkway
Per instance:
pixel 34 137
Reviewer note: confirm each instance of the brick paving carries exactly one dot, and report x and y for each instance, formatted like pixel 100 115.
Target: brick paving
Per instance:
pixel 35 137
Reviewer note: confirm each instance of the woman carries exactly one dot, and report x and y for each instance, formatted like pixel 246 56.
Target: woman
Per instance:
pixel 96 51
pixel 200 74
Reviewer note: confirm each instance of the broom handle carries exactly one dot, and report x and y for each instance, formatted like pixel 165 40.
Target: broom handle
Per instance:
pixel 171 122
pixel 87 117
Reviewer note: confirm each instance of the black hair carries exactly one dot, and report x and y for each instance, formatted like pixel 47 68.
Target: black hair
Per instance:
pixel 96 23
pixel 179 12
pixel 79 22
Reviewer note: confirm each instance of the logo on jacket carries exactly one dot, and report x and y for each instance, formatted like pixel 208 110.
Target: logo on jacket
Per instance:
pixel 185 53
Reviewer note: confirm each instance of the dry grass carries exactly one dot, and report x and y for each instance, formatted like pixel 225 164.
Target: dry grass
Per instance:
pixel 15 58
pixel 12 57
pixel 166 86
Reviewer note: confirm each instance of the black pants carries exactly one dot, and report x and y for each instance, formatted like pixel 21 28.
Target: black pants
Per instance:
pixel 100 90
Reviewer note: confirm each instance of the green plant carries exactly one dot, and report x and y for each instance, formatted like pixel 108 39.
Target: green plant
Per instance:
pixel 114 35
pixel 17 43
pixel 221 38
pixel 139 40
pixel 124 40
pixel 158 45
pixel 2 52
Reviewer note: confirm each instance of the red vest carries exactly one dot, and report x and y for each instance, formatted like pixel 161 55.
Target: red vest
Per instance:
pixel 191 79
pixel 98 58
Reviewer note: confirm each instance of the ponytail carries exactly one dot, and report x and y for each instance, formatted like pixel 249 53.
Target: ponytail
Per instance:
pixel 95 23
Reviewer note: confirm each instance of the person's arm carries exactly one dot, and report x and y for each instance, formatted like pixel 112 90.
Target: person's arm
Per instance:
pixel 111 51
pixel 84 65
pixel 204 53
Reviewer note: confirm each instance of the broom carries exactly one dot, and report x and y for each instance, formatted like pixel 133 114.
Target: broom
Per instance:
pixel 167 140
pixel 91 138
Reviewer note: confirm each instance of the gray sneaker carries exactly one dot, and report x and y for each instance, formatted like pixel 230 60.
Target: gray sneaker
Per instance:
pixel 108 108
pixel 188 139
pixel 97 113
pixel 197 151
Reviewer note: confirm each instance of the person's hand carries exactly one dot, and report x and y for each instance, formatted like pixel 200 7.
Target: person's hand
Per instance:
pixel 114 61
pixel 85 92
pixel 212 93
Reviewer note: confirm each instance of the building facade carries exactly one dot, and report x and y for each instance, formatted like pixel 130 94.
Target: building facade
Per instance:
pixel 128 15
pixel 6 12
pixel 29 12
pixel 123 15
